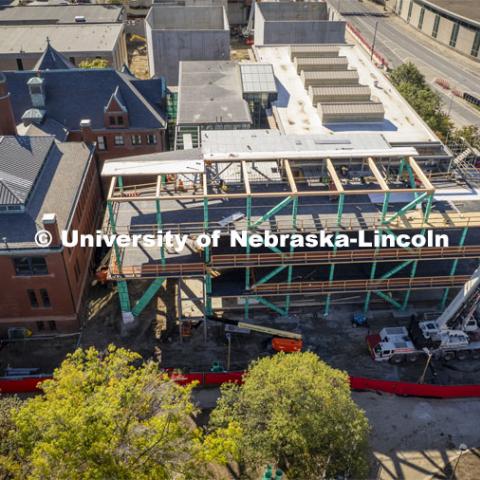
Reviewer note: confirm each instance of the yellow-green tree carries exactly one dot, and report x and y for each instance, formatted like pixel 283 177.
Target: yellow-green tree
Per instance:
pixel 296 412
pixel 104 416
pixel 94 63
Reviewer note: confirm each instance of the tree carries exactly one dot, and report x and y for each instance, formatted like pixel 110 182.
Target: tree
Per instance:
pixel 107 416
pixel 470 133
pixel 295 411
pixel 407 73
pixel 427 103
pixel 94 63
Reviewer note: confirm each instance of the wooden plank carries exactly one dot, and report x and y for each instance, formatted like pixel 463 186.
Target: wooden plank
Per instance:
pixel 376 172
pixel 333 174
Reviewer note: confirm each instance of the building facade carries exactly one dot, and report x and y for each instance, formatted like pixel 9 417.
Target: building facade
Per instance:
pixel 452 23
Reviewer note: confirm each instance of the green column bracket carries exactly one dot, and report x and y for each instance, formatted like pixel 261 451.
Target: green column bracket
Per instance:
pixel 270 275
pixel 292 249
pixel 147 296
pixel 407 208
pixel 246 309
pixel 270 305
pixel 272 211
pixel 388 298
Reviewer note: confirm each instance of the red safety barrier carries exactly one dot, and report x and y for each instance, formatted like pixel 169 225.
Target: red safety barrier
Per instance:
pixel 21 385
pixel 226 377
pixel 415 389
pixel 30 384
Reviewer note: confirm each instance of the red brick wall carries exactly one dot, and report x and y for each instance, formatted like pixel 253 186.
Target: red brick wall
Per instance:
pixel 65 282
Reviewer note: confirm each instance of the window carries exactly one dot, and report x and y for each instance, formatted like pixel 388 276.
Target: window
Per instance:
pixel 420 18
pixel 113 120
pixel 101 143
pixel 476 45
pixel 30 266
pixel 19 64
pixel 40 326
pixel 45 298
pixel 120 120
pixel 410 7
pixel 151 139
pixel 136 139
pixel 72 60
pixel 436 23
pixel 454 35
pixel 119 140
pixel 32 298
pixel 400 6
pixel 52 324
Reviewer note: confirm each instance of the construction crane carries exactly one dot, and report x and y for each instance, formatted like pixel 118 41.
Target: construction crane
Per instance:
pixel 454 334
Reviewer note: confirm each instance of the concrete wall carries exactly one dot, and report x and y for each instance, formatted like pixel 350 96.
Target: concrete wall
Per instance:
pixel 168 46
pixel 466 35
pixel 271 33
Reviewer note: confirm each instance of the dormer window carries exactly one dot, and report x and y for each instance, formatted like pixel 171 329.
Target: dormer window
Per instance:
pixel 36 89
pixel 116 113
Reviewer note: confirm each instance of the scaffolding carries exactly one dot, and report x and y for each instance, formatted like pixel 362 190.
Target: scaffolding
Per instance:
pixel 261 193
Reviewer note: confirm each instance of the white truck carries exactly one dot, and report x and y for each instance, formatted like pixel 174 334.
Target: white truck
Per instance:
pixel 454 334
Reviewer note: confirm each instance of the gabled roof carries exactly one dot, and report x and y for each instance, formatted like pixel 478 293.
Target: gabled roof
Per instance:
pixel 52 60
pixel 21 159
pixel 75 94
pixel 116 103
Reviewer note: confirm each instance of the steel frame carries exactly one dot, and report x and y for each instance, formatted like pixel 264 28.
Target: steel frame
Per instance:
pixel 406 217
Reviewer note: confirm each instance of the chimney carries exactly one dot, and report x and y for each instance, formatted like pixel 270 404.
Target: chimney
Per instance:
pixel 7 119
pixel 49 222
pixel 86 131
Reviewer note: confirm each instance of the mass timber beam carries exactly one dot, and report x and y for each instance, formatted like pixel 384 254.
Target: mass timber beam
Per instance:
pixel 421 175
pixel 290 177
pixel 246 180
pixel 333 174
pixel 376 173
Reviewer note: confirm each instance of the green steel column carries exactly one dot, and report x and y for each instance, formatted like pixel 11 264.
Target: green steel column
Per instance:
pixel 341 202
pixel 373 269
pixel 453 269
pixel 413 272
pixel 122 287
pixel 247 269
pixel 120 183
pixel 208 277
pixel 292 248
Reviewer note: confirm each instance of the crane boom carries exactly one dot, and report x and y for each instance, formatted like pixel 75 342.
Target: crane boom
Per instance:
pixel 459 301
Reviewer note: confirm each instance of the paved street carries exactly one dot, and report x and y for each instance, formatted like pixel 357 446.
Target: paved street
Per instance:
pixel 399 42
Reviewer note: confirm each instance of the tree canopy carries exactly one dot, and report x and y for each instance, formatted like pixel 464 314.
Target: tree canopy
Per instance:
pixel 104 416
pixel 427 103
pixel 296 412
pixel 94 63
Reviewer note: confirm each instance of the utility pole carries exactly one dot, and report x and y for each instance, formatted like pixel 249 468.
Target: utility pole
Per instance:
pixel 374 40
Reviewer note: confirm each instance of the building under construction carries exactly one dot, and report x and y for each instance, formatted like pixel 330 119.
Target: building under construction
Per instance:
pixel 345 153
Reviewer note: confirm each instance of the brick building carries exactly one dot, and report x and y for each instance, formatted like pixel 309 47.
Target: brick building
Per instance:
pixel 123 115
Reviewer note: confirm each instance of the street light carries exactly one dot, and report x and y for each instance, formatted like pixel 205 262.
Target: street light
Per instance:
pixel 429 358
pixel 463 448
pixel 374 40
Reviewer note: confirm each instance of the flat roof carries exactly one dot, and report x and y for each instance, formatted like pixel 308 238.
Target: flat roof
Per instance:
pixel 467 9
pixel 211 92
pixel 271 145
pixel 177 17
pixel 64 38
pixel 60 14
pixel 296 113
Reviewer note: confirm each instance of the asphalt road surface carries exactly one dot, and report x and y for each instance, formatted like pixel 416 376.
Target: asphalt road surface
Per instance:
pixel 399 42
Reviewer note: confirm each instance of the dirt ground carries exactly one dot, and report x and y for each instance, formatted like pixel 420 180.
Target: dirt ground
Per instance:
pixel 137 57
pixel 156 335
